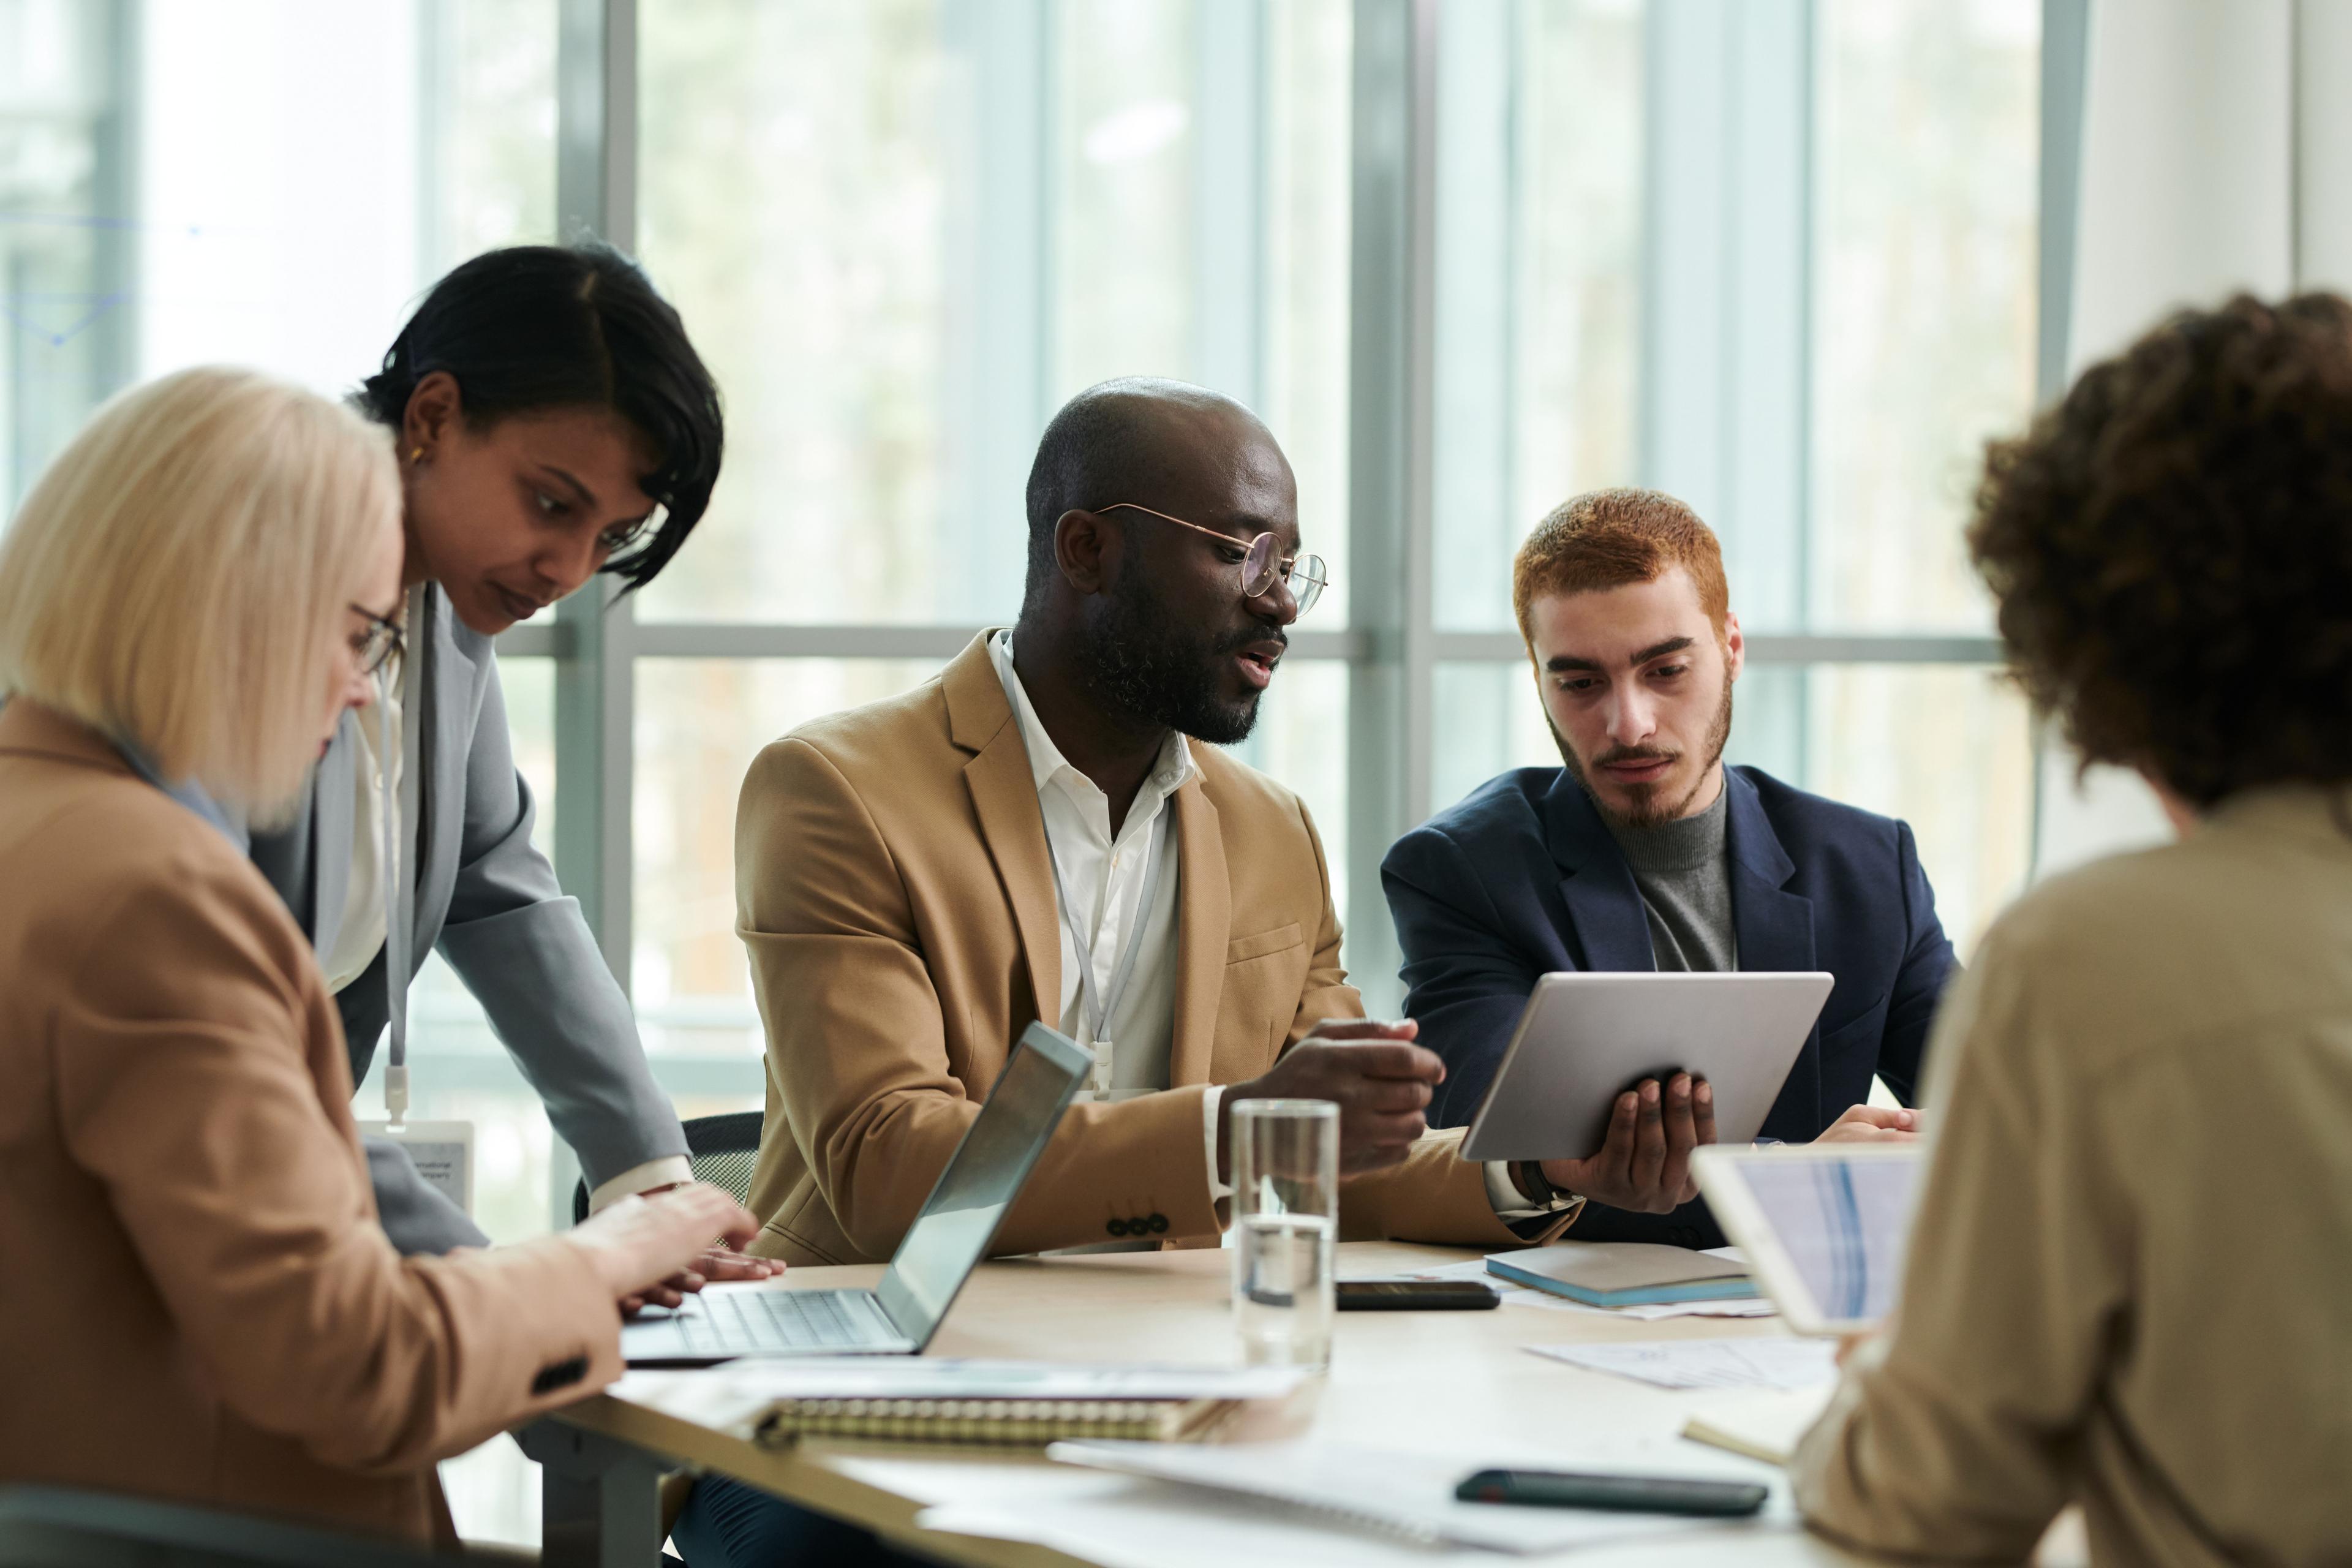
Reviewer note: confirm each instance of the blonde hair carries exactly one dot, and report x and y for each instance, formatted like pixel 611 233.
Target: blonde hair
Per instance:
pixel 179 576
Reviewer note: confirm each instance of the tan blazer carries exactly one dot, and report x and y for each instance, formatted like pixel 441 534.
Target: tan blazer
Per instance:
pixel 893 886
pixel 199 1303
pixel 2130 1281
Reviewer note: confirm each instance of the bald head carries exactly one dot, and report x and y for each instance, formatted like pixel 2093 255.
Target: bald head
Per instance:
pixel 1167 445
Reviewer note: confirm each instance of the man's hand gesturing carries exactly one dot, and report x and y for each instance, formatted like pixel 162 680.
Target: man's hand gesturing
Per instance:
pixel 1380 1079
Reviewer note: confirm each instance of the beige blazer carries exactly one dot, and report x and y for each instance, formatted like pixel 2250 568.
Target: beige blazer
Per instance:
pixel 200 1304
pixel 2130 1282
pixel 894 889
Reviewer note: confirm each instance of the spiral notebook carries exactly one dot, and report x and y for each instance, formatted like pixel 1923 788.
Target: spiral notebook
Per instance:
pixel 1000 1403
pixel 996 1423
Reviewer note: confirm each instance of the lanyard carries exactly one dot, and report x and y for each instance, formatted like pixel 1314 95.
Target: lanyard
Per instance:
pixel 396 933
pixel 1087 998
pixel 1100 1080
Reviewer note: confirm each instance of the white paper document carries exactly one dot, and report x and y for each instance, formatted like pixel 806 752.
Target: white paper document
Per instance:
pixel 1708 1363
pixel 1409 1496
pixel 942 1377
pixel 1648 1313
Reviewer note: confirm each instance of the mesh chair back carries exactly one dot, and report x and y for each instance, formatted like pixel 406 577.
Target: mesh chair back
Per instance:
pixel 721 1150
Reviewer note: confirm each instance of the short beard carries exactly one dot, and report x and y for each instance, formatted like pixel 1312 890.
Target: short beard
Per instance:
pixel 1649 814
pixel 1165 675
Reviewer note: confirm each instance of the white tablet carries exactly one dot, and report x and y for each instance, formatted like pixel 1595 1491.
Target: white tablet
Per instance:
pixel 1825 1225
pixel 1584 1039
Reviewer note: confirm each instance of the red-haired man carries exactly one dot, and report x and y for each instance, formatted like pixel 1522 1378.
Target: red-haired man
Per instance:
pixel 1643 851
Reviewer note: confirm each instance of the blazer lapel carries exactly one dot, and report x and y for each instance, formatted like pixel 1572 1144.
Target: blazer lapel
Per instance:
pixel 1004 798
pixel 1775 932
pixel 443 691
pixel 1609 930
pixel 1203 926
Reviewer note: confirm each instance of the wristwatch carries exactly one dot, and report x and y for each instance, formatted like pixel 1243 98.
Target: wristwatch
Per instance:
pixel 1540 1194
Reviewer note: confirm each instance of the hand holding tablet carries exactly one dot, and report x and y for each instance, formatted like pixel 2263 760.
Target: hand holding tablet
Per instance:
pixel 1643 1162
pixel 1585 1040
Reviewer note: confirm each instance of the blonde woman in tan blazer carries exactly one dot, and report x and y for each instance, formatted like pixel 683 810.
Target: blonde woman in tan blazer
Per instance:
pixel 200 1303
pixel 2128 1285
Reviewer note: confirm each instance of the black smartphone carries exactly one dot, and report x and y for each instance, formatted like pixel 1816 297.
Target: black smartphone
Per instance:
pixel 1415 1296
pixel 1621 1494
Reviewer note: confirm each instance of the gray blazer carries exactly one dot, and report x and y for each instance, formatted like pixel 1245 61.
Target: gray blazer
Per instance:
pixel 490 903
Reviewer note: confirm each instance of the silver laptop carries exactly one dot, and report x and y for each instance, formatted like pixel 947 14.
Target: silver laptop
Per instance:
pixel 944 1246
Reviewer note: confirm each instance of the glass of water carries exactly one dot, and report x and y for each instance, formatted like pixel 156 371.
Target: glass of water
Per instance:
pixel 1286 1220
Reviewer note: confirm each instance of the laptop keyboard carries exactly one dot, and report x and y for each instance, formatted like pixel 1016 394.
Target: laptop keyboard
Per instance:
pixel 745 1322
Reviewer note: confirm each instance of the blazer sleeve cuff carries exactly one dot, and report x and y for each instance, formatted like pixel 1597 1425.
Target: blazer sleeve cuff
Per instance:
pixel 667 1172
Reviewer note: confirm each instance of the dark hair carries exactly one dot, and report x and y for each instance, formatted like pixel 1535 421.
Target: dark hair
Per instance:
pixel 2171 548
pixel 1104 442
pixel 542 327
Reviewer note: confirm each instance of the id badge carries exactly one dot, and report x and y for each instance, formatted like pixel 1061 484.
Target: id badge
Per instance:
pixel 444 1152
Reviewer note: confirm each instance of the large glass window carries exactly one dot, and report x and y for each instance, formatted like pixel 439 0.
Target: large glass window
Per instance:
pixel 1924 313
pixel 1780 263
pixel 905 232
pixel 66 306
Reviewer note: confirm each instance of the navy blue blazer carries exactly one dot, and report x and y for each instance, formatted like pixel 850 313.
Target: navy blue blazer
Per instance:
pixel 1521 879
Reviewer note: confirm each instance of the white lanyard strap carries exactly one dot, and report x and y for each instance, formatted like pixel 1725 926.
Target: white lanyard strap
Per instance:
pixel 397 746
pixel 1101 1004
pixel 395 940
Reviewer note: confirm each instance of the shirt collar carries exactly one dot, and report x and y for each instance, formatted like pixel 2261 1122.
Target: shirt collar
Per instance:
pixel 190 793
pixel 1174 769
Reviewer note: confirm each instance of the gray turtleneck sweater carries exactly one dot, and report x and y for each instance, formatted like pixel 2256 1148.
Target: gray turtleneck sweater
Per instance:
pixel 1683 871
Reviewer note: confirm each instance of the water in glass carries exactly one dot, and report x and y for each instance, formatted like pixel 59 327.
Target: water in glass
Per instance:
pixel 1283 1290
pixel 1286 1159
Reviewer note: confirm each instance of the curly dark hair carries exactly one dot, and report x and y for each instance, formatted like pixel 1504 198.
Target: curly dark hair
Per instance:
pixel 2172 550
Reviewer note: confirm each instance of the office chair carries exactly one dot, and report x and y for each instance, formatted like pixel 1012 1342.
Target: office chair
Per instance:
pixel 61 1527
pixel 720 1148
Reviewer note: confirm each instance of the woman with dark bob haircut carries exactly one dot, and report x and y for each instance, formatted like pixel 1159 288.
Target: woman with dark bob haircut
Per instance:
pixel 2127 1284
pixel 551 422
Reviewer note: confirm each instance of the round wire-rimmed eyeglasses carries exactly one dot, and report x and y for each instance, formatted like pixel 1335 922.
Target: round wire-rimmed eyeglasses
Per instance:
pixel 383 638
pixel 1261 564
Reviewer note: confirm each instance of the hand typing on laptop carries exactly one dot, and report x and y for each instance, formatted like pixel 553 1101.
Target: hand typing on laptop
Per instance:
pixel 652 1237
pixel 714 1265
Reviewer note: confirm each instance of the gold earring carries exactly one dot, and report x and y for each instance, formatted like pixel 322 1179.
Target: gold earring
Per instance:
pixel 416 455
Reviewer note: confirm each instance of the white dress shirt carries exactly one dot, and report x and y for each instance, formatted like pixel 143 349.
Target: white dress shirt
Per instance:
pixel 359 936
pixel 1104 875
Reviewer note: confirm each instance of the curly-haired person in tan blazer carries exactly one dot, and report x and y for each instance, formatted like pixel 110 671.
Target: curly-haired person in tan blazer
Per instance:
pixel 201 1303
pixel 2128 1285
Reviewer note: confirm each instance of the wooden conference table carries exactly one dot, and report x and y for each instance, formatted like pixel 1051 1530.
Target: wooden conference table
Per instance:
pixel 1460 1386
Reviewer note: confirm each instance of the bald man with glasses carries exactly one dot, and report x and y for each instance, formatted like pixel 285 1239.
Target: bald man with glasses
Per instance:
pixel 1039 834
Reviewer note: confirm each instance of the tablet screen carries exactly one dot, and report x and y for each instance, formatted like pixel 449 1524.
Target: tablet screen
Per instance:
pixel 1841 1223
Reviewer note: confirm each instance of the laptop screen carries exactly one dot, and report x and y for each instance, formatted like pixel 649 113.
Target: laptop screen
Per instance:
pixel 952 1233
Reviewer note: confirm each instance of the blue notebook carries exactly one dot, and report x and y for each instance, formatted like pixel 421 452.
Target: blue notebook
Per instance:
pixel 1624 1273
